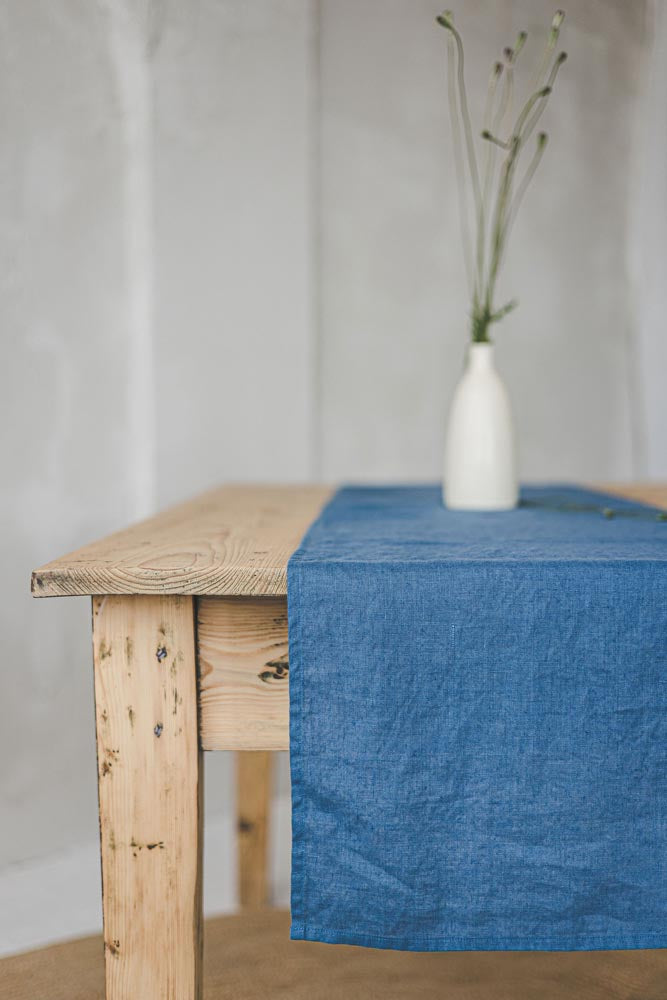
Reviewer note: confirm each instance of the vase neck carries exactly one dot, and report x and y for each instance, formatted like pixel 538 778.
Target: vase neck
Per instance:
pixel 480 357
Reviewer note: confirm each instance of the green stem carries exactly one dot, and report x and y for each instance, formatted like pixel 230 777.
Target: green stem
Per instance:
pixel 499 236
pixel 504 103
pixel 489 137
pixel 465 115
pixel 502 201
pixel 460 171
pixel 523 186
pixel 539 110
pixel 490 158
pixel 552 41
pixel 483 262
pixel 446 22
pixel 526 110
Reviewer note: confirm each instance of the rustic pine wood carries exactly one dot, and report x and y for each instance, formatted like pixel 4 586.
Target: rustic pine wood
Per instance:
pixel 245 667
pixel 150 799
pixel 243 661
pixel 232 541
pixel 654 494
pixel 253 806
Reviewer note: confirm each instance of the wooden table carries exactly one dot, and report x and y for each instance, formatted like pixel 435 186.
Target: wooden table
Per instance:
pixel 189 616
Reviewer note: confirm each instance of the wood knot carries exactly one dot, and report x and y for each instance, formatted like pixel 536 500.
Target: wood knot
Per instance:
pixel 278 670
pixel 245 826
pixel 109 759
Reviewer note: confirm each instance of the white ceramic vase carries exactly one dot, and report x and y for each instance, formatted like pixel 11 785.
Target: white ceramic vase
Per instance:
pixel 480 450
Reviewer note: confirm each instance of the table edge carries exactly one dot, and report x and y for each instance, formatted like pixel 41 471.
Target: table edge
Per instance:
pixel 81 574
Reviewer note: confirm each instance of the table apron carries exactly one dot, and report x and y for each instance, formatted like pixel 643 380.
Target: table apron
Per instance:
pixel 244 669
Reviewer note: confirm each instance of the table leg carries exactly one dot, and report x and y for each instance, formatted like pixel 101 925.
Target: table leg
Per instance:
pixel 150 779
pixel 253 797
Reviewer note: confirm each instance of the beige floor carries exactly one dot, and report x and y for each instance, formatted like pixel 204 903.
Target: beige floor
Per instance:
pixel 250 958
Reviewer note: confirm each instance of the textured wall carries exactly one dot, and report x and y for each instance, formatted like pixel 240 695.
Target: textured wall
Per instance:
pixel 234 275
pixel 646 255
pixel 156 315
pixel 65 428
pixel 394 299
pixel 230 251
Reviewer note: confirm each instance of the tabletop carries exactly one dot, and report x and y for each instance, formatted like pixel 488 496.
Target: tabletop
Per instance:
pixel 234 541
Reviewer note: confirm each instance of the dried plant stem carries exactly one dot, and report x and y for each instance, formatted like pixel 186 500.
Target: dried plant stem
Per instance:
pixel 552 41
pixel 499 234
pixel 483 261
pixel 542 140
pixel 472 160
pixel 490 158
pixel 497 237
pixel 460 171
pixel 505 104
pixel 465 116
pixel 541 105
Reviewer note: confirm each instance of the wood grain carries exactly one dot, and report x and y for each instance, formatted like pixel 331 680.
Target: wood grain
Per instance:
pixel 654 494
pixel 253 807
pixel 150 781
pixel 243 663
pixel 243 652
pixel 235 540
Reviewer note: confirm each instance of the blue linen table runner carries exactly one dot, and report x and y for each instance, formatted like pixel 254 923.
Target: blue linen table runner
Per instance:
pixel 478 723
